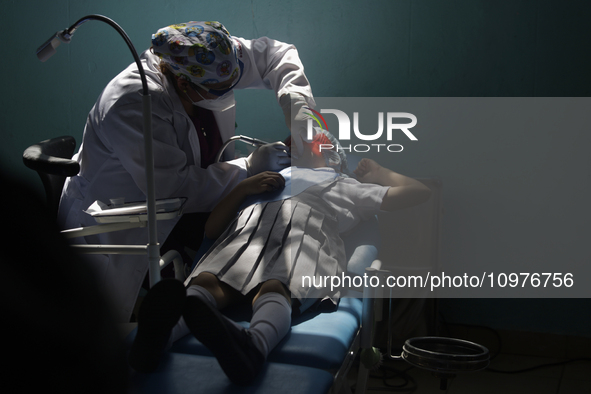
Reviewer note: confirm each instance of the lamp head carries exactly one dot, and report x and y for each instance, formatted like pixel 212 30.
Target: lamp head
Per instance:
pixel 48 48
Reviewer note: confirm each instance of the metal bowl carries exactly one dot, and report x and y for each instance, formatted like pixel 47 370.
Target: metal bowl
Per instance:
pixel 445 355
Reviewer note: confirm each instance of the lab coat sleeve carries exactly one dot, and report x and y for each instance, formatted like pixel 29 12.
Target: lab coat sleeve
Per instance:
pixel 271 64
pixel 175 173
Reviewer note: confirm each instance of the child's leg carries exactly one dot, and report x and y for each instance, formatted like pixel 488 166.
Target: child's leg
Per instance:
pixel 223 294
pixel 271 315
pixel 208 288
pixel 240 352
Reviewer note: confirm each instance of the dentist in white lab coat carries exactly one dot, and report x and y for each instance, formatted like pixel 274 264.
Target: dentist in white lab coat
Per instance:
pixel 192 69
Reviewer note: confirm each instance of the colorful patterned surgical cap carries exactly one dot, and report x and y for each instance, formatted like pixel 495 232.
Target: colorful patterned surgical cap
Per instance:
pixel 202 52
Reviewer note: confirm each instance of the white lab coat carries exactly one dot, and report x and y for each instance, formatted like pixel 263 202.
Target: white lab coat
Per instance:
pixel 111 156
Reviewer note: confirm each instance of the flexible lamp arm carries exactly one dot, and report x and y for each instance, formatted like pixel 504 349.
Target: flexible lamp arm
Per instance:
pixel 45 51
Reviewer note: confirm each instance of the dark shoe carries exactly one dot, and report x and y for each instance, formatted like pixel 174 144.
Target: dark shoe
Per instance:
pixel 159 312
pixel 233 347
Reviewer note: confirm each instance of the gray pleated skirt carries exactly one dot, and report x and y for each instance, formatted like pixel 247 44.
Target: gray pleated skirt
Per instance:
pixel 288 240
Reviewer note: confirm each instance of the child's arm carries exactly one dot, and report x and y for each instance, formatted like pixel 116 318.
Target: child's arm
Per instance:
pixel 225 211
pixel 404 192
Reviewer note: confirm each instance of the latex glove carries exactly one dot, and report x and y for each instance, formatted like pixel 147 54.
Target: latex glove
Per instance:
pixel 296 117
pixel 268 157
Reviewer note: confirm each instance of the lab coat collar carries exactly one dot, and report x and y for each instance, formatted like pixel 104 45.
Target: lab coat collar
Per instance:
pixel 174 97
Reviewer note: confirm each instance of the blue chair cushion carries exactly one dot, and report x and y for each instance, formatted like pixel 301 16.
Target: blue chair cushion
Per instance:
pixel 187 373
pixel 316 339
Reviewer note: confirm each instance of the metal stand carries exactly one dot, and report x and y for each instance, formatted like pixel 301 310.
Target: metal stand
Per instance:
pixel 47 50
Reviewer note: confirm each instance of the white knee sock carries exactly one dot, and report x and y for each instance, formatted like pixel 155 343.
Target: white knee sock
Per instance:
pixel 202 294
pixel 271 320
pixel 181 329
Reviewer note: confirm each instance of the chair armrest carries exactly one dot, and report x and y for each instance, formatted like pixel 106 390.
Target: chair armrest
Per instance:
pixel 361 246
pixel 372 298
pixel 52 157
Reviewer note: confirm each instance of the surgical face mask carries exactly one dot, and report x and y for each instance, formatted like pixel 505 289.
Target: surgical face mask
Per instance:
pixel 202 98
pixel 218 104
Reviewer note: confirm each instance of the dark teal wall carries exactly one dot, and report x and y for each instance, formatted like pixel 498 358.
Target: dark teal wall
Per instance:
pixel 375 49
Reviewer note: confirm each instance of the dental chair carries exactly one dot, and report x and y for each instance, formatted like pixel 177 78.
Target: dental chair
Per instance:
pixel 314 357
pixel 321 347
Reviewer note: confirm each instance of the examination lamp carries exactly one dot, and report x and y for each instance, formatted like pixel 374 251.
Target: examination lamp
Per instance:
pixel 47 50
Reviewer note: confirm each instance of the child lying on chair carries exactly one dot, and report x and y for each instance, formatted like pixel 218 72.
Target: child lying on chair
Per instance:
pixel 261 254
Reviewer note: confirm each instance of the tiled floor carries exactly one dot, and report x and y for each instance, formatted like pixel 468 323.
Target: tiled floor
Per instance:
pixel 520 351
pixel 564 379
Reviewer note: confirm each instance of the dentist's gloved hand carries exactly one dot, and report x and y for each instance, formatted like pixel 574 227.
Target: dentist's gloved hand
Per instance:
pixel 296 117
pixel 268 157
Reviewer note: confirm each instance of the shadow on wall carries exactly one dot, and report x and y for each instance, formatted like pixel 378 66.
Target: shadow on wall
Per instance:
pixel 58 330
